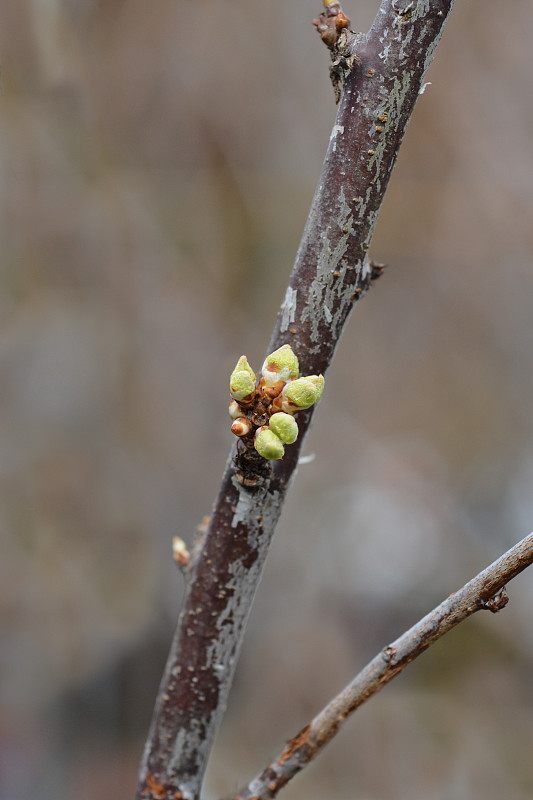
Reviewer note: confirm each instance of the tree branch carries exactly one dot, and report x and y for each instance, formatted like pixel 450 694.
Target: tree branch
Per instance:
pixel 381 83
pixel 485 591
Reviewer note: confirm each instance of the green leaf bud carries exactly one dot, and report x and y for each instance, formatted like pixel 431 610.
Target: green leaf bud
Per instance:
pixel 241 385
pixel 301 393
pixel 243 366
pixel 281 365
pixel 318 381
pixel 242 380
pixel 268 444
pixel 284 426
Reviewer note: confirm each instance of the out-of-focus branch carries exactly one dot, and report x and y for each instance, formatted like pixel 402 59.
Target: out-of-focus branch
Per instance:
pixel 485 591
pixel 378 77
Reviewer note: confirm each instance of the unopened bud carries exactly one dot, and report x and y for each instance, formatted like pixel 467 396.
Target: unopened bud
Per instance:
pixel 241 385
pixel 301 393
pixel 241 426
pixel 318 381
pixel 281 365
pixel 243 366
pixel 284 426
pixel 234 409
pixel 268 444
pixel 272 391
pixel 242 380
pixel 180 552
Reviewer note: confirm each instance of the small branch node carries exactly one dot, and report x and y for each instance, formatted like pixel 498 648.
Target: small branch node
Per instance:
pixel 341 21
pixel 389 653
pixel 181 554
pixel 251 470
pixel 326 24
pixel 376 270
pixel 405 12
pixel 334 28
pixel 496 602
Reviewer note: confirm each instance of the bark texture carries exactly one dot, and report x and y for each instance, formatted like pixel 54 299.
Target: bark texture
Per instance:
pixel 331 273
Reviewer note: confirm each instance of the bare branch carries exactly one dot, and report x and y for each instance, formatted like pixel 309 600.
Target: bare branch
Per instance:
pixel 485 591
pixel 379 85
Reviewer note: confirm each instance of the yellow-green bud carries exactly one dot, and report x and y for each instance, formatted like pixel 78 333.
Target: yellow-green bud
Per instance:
pixel 281 365
pixel 241 385
pixel 284 426
pixel 318 381
pixel 243 365
pixel 268 444
pixel 242 380
pixel 301 393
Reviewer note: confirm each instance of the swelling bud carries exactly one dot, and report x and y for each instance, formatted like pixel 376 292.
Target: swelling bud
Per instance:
pixel 242 380
pixel 284 426
pixel 300 394
pixel 318 382
pixel 281 365
pixel 268 444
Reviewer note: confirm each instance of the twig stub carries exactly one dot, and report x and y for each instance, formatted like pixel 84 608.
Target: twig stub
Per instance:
pixel 496 602
pixel 334 28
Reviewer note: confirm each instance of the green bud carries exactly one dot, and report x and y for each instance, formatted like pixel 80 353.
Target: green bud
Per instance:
pixel 241 385
pixel 284 426
pixel 281 365
pixel 243 366
pixel 242 380
pixel 318 381
pixel 268 444
pixel 301 393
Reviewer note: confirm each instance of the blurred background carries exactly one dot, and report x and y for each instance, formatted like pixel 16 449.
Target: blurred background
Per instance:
pixel 157 164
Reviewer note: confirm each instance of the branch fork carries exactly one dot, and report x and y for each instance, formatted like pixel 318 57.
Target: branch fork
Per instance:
pixel 331 273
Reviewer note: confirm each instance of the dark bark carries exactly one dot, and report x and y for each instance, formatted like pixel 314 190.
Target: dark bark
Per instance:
pixel 331 273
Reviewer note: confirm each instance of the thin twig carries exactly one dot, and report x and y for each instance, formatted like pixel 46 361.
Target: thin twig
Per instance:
pixel 379 85
pixel 485 591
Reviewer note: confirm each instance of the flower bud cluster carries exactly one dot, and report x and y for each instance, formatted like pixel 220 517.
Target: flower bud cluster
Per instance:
pixel 275 398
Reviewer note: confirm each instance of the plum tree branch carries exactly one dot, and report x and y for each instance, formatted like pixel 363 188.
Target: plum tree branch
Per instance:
pixel 485 591
pixel 378 77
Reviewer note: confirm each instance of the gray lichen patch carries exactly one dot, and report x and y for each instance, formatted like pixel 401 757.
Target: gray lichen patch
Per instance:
pixel 190 747
pixel 288 308
pixel 248 506
pixel 337 129
pixel 328 295
pixel 258 511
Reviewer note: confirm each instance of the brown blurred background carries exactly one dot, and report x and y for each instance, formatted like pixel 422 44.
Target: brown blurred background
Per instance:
pixel 158 162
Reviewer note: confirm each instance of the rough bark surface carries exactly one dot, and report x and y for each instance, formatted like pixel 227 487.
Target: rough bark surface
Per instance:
pixel 331 273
